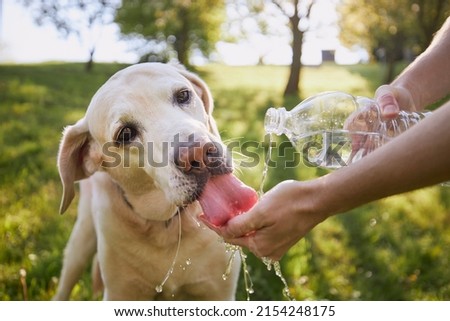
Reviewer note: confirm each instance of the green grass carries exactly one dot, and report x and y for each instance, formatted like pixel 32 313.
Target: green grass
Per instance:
pixel 394 249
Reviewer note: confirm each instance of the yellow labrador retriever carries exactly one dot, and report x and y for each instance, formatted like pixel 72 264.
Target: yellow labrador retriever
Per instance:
pixel 143 153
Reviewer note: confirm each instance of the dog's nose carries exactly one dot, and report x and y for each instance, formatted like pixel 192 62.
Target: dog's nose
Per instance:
pixel 199 156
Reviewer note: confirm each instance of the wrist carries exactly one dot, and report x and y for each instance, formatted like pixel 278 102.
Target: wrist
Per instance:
pixel 317 199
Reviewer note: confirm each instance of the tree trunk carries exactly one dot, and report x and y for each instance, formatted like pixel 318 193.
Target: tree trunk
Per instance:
pixel 181 49
pixel 390 71
pixel 182 39
pixel 394 53
pixel 90 63
pixel 292 87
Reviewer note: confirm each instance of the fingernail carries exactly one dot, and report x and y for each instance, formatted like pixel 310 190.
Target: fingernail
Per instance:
pixel 389 109
pixel 389 104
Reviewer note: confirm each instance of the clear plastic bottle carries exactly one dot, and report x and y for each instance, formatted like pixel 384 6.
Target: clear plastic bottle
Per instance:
pixel 334 129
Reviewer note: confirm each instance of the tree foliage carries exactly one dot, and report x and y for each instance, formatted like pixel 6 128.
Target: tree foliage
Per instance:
pixel 180 25
pixel 78 17
pixel 390 28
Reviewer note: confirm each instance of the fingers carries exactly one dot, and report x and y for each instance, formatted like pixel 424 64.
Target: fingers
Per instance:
pixel 208 224
pixel 242 225
pixel 237 227
pixel 245 238
pixel 245 230
pixel 386 99
pixel 255 244
pixel 392 99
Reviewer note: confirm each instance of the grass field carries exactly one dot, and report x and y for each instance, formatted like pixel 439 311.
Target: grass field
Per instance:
pixel 394 249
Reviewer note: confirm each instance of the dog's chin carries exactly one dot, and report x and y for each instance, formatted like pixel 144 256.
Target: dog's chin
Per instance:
pixel 190 190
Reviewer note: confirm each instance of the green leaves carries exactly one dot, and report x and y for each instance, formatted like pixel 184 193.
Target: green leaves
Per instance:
pixel 180 25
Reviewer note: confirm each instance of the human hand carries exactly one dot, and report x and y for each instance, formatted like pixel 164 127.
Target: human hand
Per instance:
pixel 281 218
pixel 392 99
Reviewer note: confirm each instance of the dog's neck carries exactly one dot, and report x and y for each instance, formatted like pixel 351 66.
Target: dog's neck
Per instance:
pixel 124 197
pixel 150 206
pixel 130 206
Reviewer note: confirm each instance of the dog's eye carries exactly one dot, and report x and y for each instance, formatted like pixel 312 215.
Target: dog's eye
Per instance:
pixel 183 96
pixel 126 135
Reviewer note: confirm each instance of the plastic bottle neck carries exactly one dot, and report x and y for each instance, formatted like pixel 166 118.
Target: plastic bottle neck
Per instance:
pixel 274 122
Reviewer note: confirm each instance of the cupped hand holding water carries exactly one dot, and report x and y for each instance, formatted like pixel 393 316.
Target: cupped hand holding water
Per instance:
pixel 281 218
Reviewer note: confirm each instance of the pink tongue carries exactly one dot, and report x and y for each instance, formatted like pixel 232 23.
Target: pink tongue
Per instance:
pixel 224 197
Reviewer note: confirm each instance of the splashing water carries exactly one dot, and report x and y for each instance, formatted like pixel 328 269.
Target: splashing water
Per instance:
pixel 277 268
pixel 268 262
pixel 159 288
pixel 233 249
pixel 266 166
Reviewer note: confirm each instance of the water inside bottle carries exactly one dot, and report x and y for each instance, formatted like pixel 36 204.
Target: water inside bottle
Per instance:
pixel 336 148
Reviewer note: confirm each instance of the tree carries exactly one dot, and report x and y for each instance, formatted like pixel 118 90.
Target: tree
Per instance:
pixel 430 15
pixel 275 19
pixel 295 14
pixel 253 22
pixel 181 25
pixel 390 28
pixel 298 13
pixel 79 17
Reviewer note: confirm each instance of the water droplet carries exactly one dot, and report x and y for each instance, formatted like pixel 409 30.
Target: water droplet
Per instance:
pixel 188 262
pixel 224 277
pixel 159 288
pixel 287 294
pixel 247 279
pixel 268 262
pixel 266 165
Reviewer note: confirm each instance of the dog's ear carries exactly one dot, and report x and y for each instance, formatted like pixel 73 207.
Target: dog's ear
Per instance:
pixel 75 160
pixel 202 90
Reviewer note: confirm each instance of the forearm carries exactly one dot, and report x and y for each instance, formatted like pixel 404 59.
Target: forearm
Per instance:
pixel 428 77
pixel 418 158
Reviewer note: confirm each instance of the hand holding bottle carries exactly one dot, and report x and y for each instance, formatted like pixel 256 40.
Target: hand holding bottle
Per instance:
pixel 334 129
pixel 392 99
pixel 395 108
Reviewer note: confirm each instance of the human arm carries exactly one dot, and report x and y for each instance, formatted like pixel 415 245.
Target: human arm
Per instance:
pixel 423 82
pixel 419 157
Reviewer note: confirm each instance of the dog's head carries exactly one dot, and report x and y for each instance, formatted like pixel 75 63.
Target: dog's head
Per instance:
pixel 150 128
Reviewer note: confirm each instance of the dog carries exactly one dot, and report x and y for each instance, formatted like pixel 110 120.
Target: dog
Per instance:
pixel 142 154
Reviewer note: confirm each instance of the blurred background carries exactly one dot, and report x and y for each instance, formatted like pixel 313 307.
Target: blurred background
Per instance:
pixel 253 54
